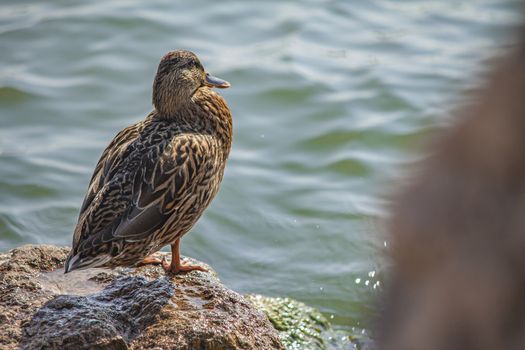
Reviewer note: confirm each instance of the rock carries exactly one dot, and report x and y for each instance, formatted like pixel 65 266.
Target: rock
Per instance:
pixel 302 327
pixel 124 308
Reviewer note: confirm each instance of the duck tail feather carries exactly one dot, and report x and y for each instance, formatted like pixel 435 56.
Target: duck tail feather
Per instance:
pixel 77 262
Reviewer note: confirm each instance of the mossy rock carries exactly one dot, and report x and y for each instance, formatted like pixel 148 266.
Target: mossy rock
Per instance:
pixel 302 327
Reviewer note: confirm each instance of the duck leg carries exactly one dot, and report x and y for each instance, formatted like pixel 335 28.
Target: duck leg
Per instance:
pixel 176 266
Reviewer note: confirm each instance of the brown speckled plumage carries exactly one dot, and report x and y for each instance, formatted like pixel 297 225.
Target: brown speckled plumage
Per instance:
pixel 155 179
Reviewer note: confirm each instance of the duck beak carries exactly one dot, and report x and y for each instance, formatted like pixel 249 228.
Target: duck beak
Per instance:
pixel 212 81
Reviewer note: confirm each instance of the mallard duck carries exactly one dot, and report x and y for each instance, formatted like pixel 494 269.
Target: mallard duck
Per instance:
pixel 156 177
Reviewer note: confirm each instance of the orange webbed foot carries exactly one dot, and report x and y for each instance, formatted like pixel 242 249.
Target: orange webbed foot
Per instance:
pixel 180 268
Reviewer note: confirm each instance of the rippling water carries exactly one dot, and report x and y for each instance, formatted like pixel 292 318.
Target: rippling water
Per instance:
pixel 330 99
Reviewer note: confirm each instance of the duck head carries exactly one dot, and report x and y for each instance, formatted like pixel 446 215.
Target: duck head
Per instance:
pixel 179 76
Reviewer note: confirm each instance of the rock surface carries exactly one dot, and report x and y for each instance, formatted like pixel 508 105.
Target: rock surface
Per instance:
pixel 140 308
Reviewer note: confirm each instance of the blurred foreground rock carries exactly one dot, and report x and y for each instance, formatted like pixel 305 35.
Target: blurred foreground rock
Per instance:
pixel 457 229
pixel 140 308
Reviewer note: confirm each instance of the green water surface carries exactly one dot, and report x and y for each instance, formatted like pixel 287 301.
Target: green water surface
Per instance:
pixel 330 101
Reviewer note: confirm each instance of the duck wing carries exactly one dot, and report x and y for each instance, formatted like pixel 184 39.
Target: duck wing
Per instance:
pixel 109 161
pixel 100 183
pixel 165 184
pixel 158 179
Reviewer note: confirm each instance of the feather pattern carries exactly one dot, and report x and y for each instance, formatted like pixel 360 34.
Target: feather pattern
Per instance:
pixel 153 182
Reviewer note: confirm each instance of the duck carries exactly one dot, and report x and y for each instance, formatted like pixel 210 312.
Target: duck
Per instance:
pixel 157 176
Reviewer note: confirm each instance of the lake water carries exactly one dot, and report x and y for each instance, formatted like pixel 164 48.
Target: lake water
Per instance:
pixel 330 101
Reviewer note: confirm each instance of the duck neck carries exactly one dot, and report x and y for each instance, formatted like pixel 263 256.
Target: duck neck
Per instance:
pixel 214 111
pixel 206 112
pixel 171 106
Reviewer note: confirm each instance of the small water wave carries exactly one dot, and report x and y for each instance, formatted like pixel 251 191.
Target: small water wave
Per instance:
pixel 14 95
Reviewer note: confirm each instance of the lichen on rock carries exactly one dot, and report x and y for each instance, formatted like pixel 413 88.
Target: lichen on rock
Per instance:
pixel 302 327
pixel 299 326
